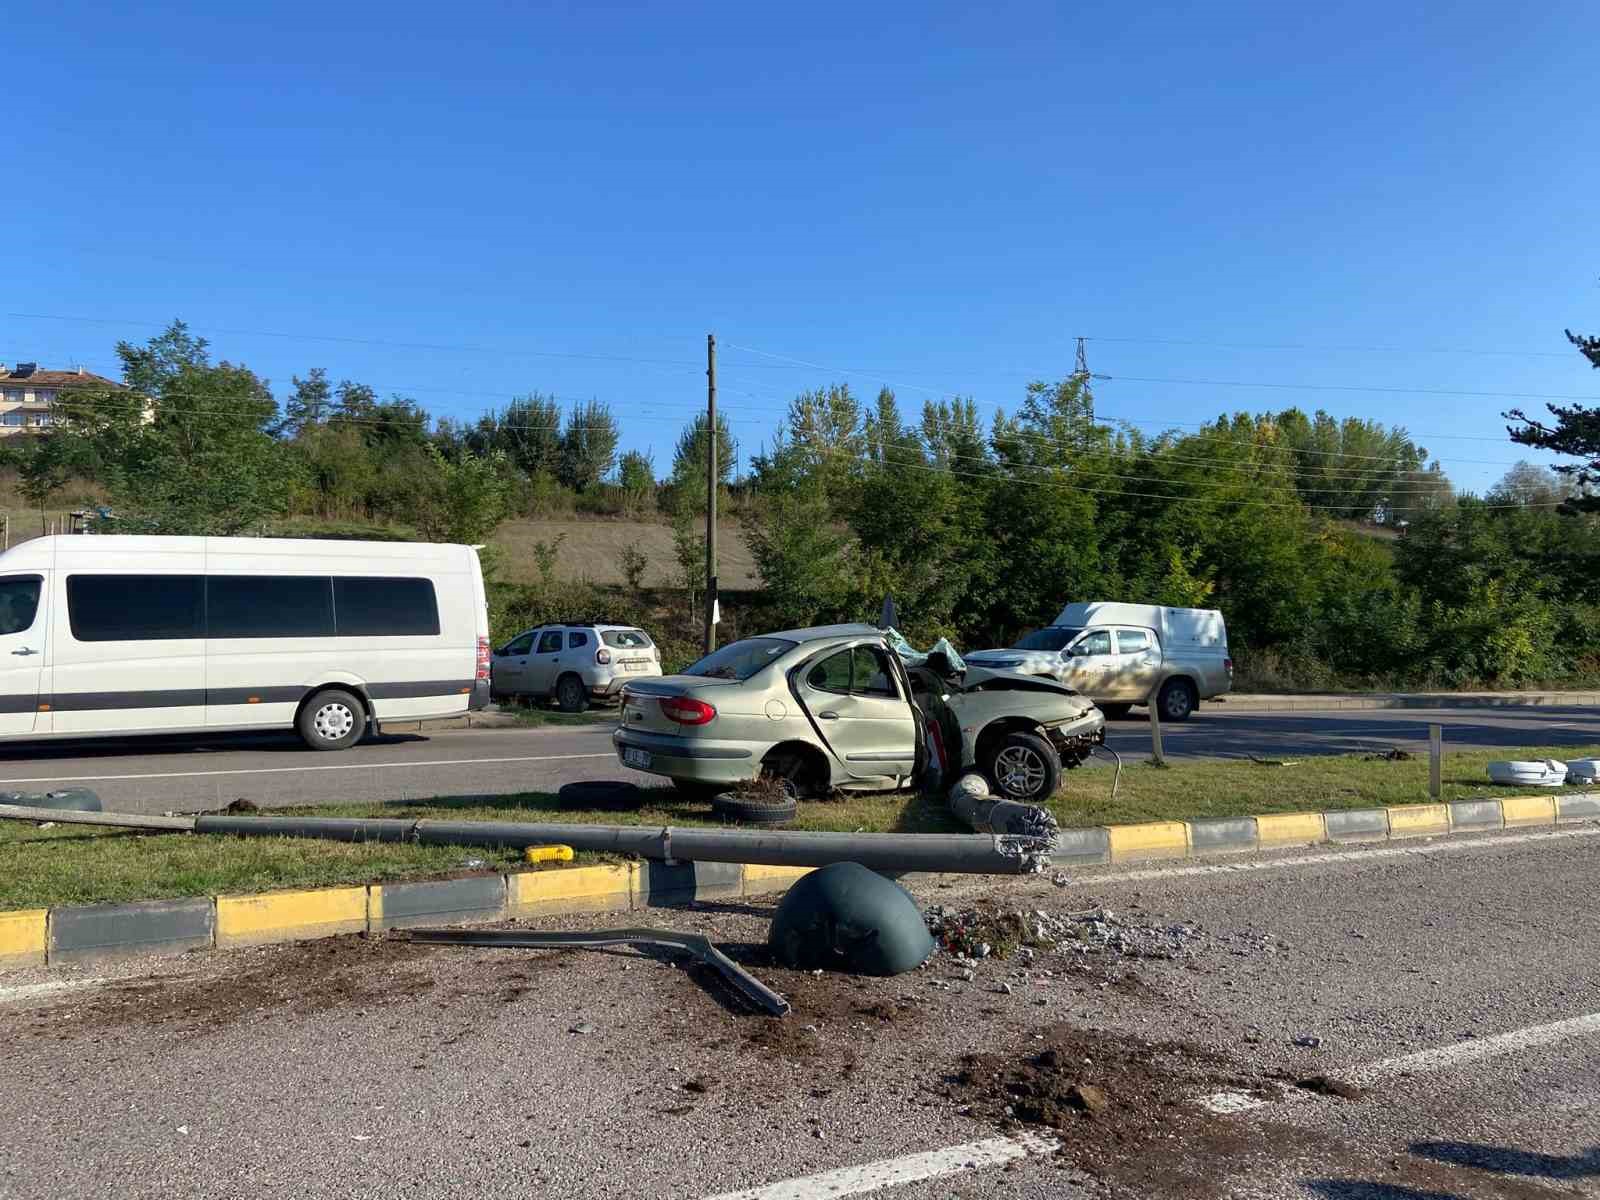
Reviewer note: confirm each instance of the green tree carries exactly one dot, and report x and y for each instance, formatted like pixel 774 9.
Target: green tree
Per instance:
pixel 953 437
pixel 689 556
pixel 310 404
pixel 689 457
pixel 636 473
pixel 809 565
pixel 588 445
pixel 462 499
pixel 637 478
pixel 527 431
pixel 1531 486
pixel 44 465
pixel 202 458
pixel 821 445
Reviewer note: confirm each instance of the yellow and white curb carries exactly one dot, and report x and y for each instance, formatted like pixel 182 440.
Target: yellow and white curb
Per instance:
pixel 79 932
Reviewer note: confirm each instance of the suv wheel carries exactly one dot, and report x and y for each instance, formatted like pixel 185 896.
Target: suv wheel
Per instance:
pixel 332 720
pixel 571 695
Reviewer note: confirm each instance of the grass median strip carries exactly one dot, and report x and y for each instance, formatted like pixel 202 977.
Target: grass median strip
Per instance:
pixel 76 865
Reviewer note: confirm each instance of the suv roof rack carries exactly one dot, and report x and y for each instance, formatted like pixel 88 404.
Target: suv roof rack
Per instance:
pixel 583 621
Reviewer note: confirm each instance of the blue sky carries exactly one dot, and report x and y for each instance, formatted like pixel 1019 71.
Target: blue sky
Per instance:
pixel 937 196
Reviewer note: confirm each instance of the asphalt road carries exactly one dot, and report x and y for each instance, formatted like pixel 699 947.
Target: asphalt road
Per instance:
pixel 157 775
pixel 1452 983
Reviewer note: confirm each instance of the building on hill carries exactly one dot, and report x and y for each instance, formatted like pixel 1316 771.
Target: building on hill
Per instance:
pixel 28 394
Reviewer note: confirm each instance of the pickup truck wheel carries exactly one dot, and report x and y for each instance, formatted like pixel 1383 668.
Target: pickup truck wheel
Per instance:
pixel 1023 766
pixel 1116 712
pixel 1177 700
pixel 571 695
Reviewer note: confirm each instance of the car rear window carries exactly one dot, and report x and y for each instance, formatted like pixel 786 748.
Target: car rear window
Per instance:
pixel 1054 638
pixel 740 660
pixel 626 639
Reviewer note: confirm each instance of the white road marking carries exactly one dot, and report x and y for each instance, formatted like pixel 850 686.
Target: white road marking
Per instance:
pixel 1450 845
pixel 18 993
pixel 383 766
pixel 894 1172
pixel 1439 1058
pixel 1442 1058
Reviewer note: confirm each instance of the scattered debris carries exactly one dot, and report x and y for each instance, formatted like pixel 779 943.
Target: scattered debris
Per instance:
pixel 1548 773
pixel 1308 1042
pixel 974 933
pixel 1392 754
pixel 1274 762
pixel 582 1027
pixel 1327 1085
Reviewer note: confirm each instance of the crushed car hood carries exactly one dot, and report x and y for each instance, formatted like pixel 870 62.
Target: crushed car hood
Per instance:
pixel 1028 662
pixel 1015 687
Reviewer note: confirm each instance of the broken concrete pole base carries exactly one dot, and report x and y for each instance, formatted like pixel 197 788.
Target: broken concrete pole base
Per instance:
pixel 972 802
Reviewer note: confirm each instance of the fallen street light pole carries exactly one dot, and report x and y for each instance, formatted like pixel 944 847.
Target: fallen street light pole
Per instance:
pixel 935 853
pixel 699 945
pixel 972 853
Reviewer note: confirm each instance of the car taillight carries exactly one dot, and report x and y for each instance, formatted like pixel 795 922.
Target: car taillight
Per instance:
pixel 603 657
pixel 483 659
pixel 687 711
pixel 1228 662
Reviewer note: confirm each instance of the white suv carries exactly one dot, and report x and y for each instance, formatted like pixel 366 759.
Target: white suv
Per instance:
pixel 574 663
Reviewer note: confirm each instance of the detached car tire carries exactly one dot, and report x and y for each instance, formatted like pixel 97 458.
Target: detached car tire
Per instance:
pixel 333 719
pixel 731 807
pixel 571 695
pixel 1177 700
pixel 1025 767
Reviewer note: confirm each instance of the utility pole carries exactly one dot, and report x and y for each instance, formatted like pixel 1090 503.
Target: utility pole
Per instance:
pixel 1080 372
pixel 711 493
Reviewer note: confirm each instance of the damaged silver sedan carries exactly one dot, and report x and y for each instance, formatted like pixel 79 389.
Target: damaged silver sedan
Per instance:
pixel 835 707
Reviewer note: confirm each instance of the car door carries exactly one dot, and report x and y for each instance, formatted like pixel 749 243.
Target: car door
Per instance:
pixel 544 663
pixel 1086 664
pixel 854 696
pixel 24 650
pixel 511 664
pixel 1137 666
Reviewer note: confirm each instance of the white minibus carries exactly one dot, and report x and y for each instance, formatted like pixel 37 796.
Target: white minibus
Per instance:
pixel 111 636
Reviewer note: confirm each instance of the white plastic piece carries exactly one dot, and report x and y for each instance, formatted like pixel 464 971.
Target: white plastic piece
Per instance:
pixel 1548 773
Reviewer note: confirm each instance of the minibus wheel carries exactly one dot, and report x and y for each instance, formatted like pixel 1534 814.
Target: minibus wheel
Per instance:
pixel 333 719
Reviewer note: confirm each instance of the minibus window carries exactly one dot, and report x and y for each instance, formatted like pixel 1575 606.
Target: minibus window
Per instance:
pixel 19 603
pixel 371 607
pixel 135 608
pixel 269 606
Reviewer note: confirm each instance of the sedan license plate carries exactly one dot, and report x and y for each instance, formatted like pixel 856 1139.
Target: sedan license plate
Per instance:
pixel 636 758
pixel 633 666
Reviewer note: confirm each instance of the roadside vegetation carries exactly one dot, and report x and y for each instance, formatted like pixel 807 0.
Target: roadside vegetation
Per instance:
pixel 78 865
pixel 981 528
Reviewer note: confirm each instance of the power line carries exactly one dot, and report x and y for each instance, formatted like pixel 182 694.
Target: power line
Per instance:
pixel 1148 341
pixel 1105 491
pixel 1112 418
pixel 996 469
pixel 1353 387
pixel 354 341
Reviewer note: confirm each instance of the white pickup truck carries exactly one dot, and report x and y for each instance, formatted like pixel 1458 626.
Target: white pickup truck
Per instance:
pixel 1119 655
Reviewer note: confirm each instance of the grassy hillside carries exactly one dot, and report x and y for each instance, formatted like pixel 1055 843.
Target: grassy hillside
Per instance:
pixel 592 547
